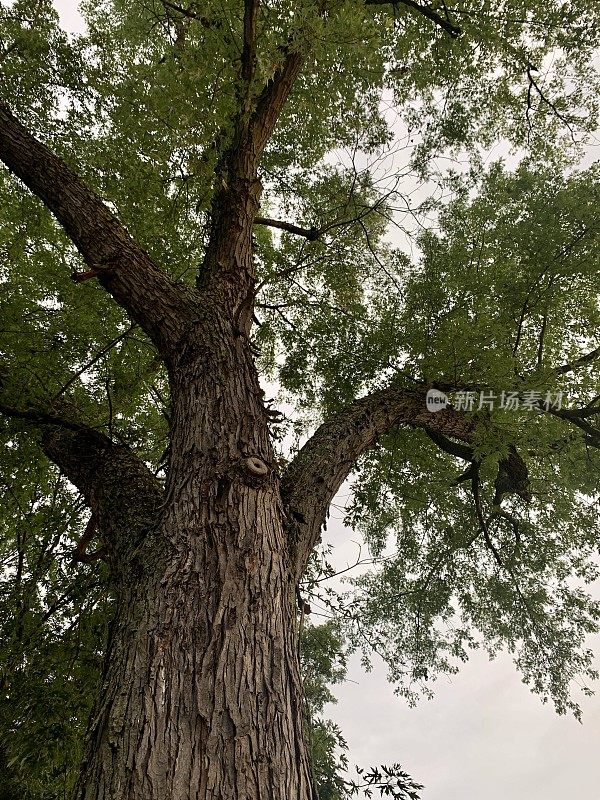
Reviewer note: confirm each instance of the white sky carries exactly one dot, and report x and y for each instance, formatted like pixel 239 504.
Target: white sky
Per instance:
pixel 483 737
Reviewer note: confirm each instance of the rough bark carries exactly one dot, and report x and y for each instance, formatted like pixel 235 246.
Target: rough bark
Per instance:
pixel 314 477
pixel 121 492
pixel 201 695
pixel 228 272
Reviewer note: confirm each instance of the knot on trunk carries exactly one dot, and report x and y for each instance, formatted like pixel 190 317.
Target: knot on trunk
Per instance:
pixel 255 466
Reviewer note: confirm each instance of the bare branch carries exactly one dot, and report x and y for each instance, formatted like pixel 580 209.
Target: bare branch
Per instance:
pixel 81 554
pixel 448 446
pixel 123 268
pixel 95 359
pixel 540 352
pixel 533 85
pixel 312 234
pixel 190 13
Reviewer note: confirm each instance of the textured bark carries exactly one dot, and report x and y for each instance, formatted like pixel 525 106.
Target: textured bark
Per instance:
pixel 122 493
pixel 202 695
pixel 228 272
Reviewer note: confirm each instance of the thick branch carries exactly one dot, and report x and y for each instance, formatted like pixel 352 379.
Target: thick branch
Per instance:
pixel 273 97
pixel 512 477
pixel 312 234
pixel 576 413
pixel 81 554
pixel 191 14
pixel 444 24
pixel 228 261
pixel 249 48
pixel 323 464
pixel 576 417
pixel 187 12
pixel 448 446
pixel 313 478
pixel 123 268
pixel 39 417
pixel 122 493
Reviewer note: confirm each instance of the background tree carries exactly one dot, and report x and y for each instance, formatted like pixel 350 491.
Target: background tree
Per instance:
pixel 218 182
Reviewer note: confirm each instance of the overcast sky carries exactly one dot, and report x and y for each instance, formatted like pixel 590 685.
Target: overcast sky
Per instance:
pixel 483 737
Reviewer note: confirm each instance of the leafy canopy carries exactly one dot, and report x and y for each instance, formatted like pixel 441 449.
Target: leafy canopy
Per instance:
pixel 434 263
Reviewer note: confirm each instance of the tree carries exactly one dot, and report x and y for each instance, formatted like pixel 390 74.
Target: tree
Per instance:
pixel 178 162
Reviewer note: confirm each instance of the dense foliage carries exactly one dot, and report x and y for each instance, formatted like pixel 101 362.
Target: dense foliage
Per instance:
pixel 434 261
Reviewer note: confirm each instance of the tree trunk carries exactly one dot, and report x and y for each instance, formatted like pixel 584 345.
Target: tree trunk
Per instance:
pixel 201 694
